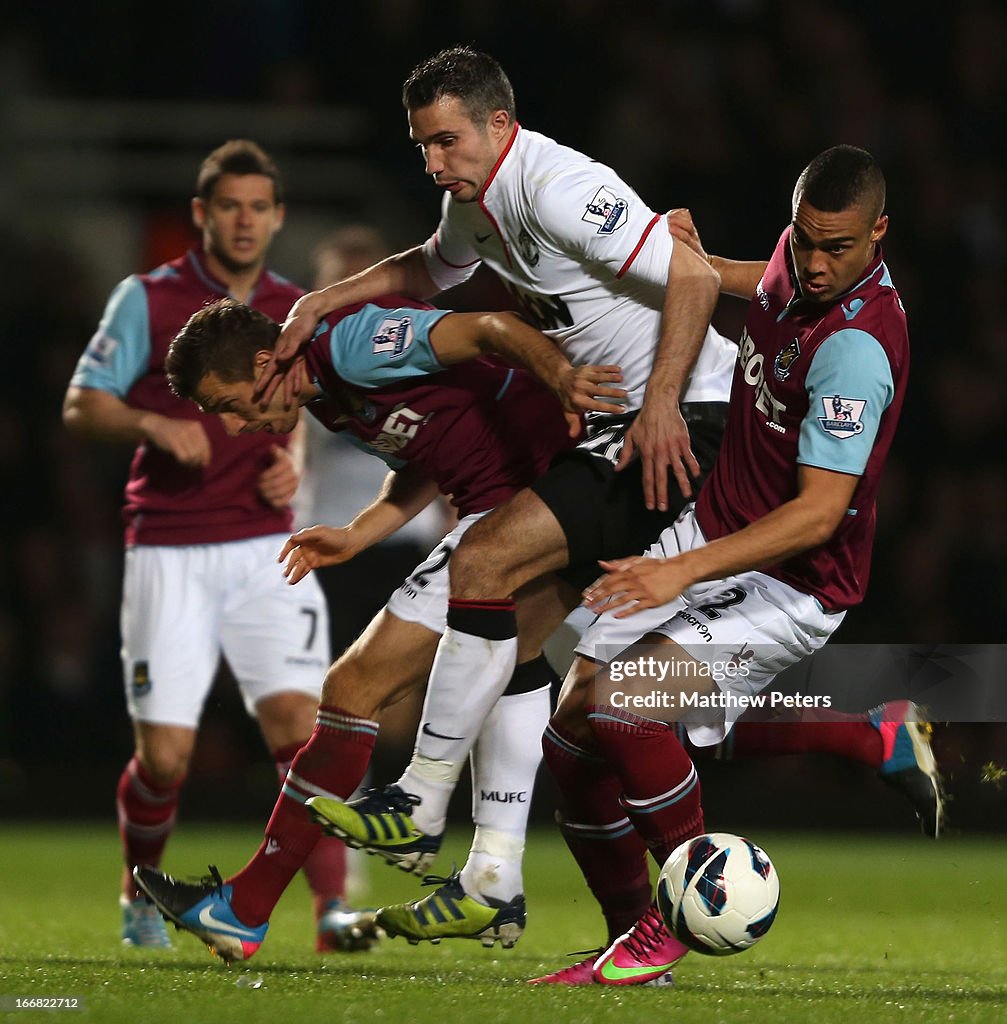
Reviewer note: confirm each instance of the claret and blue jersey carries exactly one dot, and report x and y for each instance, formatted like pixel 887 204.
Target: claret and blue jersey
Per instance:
pixel 166 502
pixel 480 429
pixel 815 386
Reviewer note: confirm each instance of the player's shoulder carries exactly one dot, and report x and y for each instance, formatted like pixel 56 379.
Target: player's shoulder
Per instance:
pixel 128 300
pixel 878 310
pixel 872 305
pixel 553 169
pixel 867 337
pixel 168 274
pixel 374 330
pixel 541 151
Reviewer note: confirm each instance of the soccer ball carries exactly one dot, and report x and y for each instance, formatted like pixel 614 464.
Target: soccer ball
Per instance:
pixel 718 893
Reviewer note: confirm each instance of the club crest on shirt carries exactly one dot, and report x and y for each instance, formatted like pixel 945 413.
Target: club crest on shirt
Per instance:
pixel 141 678
pixel 785 359
pixel 394 336
pixel 843 416
pixel 606 210
pixel 528 248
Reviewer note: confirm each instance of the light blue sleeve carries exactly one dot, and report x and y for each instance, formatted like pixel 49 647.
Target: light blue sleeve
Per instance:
pixel 119 352
pixel 849 386
pixel 378 346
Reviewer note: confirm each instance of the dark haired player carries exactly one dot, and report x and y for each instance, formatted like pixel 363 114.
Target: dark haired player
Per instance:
pixel 205 515
pixel 590 263
pixel 775 550
pixel 409 383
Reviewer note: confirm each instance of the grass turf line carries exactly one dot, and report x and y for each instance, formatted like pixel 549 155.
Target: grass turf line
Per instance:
pixel 870 929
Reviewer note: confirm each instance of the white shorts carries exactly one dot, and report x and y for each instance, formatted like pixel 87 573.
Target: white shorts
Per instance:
pixel 183 606
pixel 423 596
pixel 771 623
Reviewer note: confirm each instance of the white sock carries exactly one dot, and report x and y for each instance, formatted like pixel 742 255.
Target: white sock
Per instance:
pixel 494 865
pixel 505 763
pixel 468 675
pixel 433 782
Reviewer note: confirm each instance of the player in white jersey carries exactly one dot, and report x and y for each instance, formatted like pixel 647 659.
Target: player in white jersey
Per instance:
pixel 596 268
pixel 584 257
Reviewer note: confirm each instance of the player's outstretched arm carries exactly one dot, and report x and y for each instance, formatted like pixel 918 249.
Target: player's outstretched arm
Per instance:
pixel 460 336
pixel 804 522
pixel 403 496
pixel 402 274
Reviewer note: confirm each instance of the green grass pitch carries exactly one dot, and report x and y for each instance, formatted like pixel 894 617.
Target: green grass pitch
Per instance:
pixel 870 929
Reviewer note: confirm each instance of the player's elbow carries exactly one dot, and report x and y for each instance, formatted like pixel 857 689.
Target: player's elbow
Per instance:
pixel 823 525
pixel 493 330
pixel 820 533
pixel 711 278
pixel 690 269
pixel 73 416
pixel 85 411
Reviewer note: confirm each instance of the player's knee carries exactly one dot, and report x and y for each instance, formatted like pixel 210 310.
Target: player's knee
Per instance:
pixel 469 569
pixel 350 685
pixel 336 679
pixel 480 567
pixel 164 763
pixel 286 718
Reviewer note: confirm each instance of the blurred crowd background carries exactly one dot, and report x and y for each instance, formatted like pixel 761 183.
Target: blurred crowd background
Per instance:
pixel 713 105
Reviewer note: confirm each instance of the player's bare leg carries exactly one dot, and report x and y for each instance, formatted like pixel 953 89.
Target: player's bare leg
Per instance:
pixel 512 545
pixel 389 660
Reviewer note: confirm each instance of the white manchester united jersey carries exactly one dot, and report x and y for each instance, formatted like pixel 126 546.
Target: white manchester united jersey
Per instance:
pixel 585 258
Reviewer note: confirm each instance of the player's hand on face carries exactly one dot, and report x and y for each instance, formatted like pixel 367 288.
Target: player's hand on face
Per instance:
pixel 186 440
pixel 681 226
pixel 278 483
pixel 591 389
pixel 632 584
pixel 660 437
pixel 286 365
pixel 313 548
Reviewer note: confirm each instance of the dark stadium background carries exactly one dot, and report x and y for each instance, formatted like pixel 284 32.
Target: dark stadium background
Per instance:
pixel 714 105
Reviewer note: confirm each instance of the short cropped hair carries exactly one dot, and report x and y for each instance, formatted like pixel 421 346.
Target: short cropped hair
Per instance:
pixel 237 156
pixel 471 76
pixel 221 338
pixel 841 177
